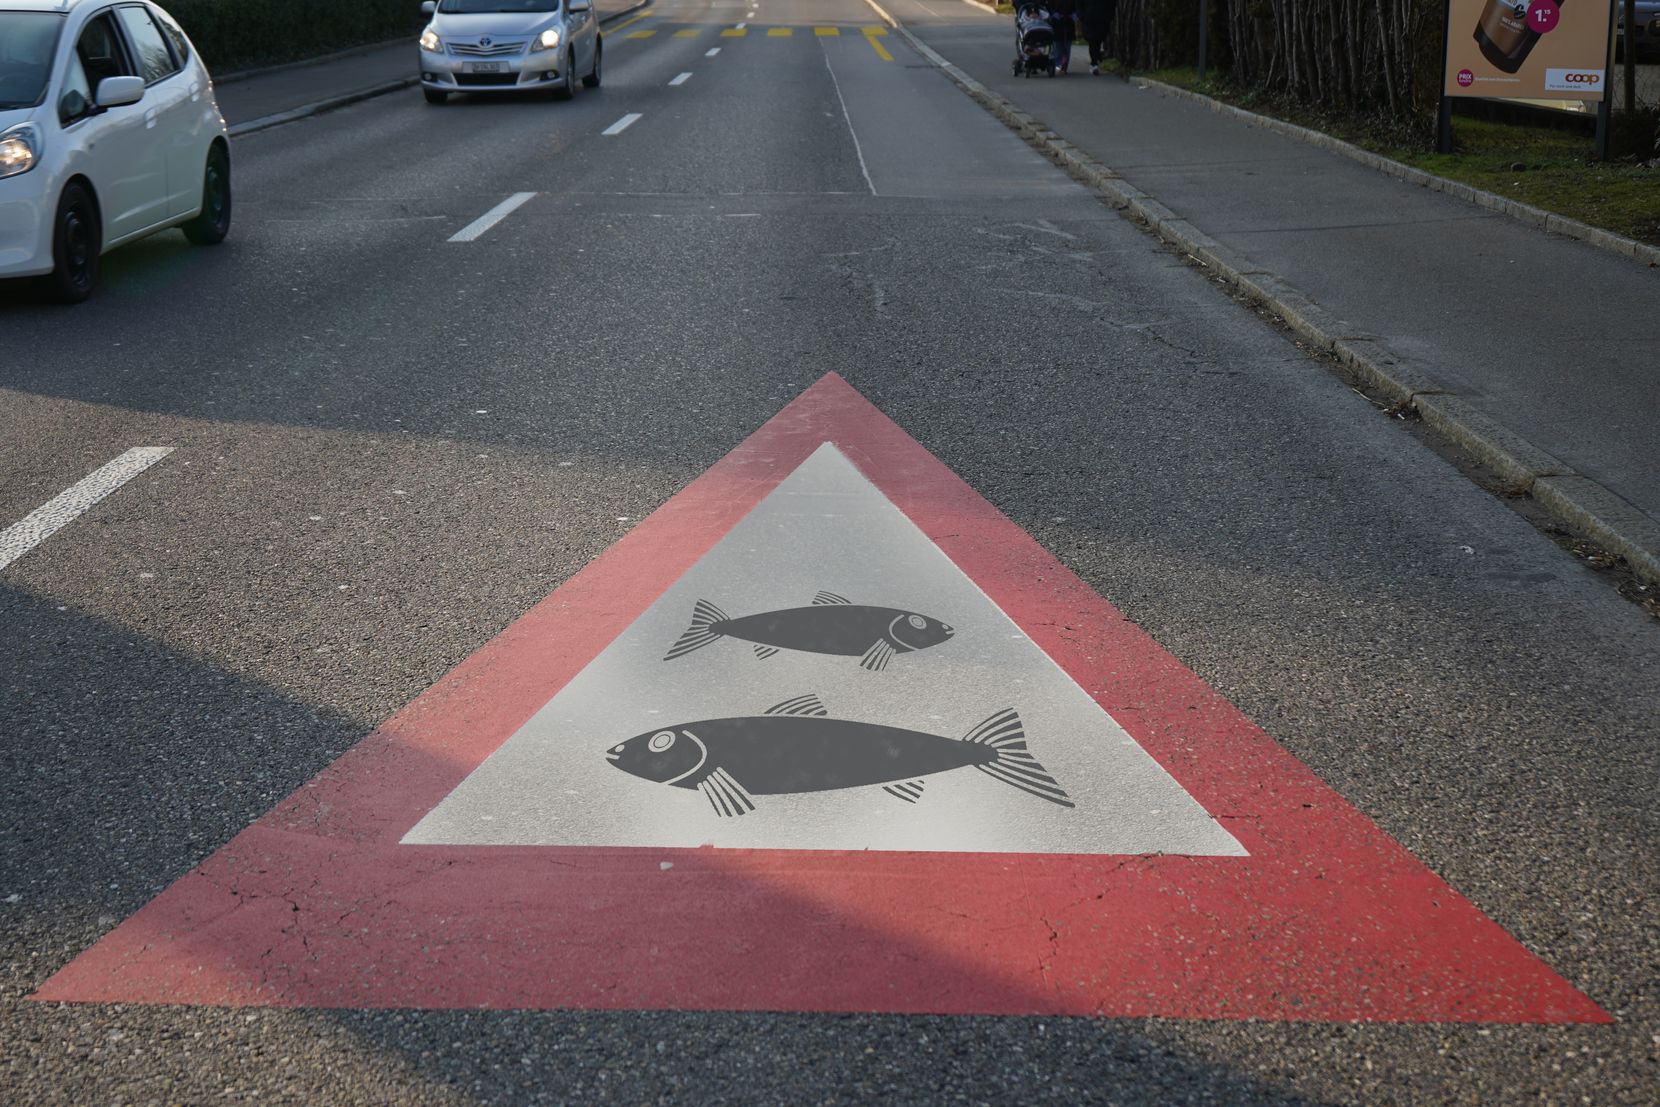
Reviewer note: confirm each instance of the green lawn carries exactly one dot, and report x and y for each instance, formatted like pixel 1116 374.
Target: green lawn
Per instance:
pixel 1547 168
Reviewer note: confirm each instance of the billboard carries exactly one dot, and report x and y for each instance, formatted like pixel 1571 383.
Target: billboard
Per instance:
pixel 1528 49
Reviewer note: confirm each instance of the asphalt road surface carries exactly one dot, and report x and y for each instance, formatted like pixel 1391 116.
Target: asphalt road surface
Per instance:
pixel 388 445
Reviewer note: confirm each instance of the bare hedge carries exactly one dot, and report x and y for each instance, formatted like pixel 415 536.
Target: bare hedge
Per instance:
pixel 234 34
pixel 1367 56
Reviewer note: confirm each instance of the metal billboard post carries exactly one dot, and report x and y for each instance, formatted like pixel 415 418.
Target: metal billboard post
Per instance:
pixel 1204 34
pixel 1607 105
pixel 1630 22
pixel 1443 113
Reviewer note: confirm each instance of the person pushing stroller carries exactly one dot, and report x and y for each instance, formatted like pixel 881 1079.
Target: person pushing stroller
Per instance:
pixel 1063 15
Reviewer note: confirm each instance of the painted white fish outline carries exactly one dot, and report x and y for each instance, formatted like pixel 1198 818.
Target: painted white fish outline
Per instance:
pixel 832 624
pixel 794 747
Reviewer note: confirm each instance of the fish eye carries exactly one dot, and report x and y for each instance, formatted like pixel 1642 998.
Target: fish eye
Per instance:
pixel 661 741
pixel 918 621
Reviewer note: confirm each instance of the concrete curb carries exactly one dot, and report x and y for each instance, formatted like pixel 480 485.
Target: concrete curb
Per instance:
pixel 305 111
pixel 1578 502
pixel 1492 201
pixel 318 107
pixel 237 75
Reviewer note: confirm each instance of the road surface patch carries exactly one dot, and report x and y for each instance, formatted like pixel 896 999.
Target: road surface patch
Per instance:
pixel 382 882
pixel 70 504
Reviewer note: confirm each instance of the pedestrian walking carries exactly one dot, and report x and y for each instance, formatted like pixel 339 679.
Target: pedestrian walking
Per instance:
pixel 1097 18
pixel 1063 15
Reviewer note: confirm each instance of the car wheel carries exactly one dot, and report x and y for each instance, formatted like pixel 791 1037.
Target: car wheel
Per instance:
pixel 433 96
pixel 214 223
pixel 567 87
pixel 592 79
pixel 76 241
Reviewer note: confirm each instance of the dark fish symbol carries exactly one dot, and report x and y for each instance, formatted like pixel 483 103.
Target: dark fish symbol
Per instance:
pixel 833 624
pixel 794 747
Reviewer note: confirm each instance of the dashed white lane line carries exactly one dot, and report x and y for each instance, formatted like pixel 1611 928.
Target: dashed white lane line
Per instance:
pixel 64 508
pixel 492 217
pixel 739 26
pixel 711 53
pixel 680 80
pixel 622 124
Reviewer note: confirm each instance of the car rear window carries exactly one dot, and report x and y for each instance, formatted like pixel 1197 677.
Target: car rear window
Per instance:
pixel 181 45
pixel 155 60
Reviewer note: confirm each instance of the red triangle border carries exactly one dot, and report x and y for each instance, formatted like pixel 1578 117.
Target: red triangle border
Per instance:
pixel 318 905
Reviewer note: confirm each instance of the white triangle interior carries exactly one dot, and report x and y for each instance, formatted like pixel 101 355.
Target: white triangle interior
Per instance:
pixel 825 528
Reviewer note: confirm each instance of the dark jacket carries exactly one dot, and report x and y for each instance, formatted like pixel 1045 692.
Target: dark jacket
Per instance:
pixel 1097 17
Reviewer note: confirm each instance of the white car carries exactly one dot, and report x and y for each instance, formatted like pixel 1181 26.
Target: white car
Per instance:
pixel 509 45
pixel 108 131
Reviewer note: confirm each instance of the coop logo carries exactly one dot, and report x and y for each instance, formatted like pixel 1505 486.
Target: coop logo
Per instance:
pixel 1466 78
pixel 1572 80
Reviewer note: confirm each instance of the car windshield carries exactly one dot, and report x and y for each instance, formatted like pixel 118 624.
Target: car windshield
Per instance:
pixel 27 40
pixel 476 7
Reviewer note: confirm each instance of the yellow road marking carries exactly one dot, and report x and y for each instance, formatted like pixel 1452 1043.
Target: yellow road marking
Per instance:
pixel 881 51
pixel 687 33
pixel 734 32
pixel 780 32
pixel 642 34
pixel 627 23
pixel 827 32
pixel 874 32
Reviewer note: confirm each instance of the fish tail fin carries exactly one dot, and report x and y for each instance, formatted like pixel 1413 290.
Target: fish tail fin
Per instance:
pixel 698 635
pixel 1014 764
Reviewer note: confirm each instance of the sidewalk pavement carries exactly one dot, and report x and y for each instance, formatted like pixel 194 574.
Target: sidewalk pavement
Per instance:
pixel 1540 353
pixel 305 88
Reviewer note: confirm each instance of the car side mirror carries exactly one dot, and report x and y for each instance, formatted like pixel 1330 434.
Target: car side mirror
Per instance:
pixel 428 7
pixel 113 92
pixel 579 6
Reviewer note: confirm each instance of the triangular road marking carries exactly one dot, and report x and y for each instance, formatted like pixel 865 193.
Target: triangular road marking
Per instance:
pixel 420 870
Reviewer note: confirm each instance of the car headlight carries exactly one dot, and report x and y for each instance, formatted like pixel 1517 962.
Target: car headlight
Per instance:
pixel 430 43
pixel 19 149
pixel 547 40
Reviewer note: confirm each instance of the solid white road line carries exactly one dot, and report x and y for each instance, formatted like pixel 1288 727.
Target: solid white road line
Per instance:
pixel 680 80
pixel 622 124
pixel 492 217
pixel 63 509
pixel 857 149
pixel 711 53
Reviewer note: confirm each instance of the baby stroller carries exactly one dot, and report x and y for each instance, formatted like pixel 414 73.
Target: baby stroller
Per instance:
pixel 1034 41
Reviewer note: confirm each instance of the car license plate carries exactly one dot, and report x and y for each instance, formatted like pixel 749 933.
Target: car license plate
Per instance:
pixel 485 67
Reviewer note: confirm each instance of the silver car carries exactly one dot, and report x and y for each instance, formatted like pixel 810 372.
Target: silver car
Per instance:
pixel 509 45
